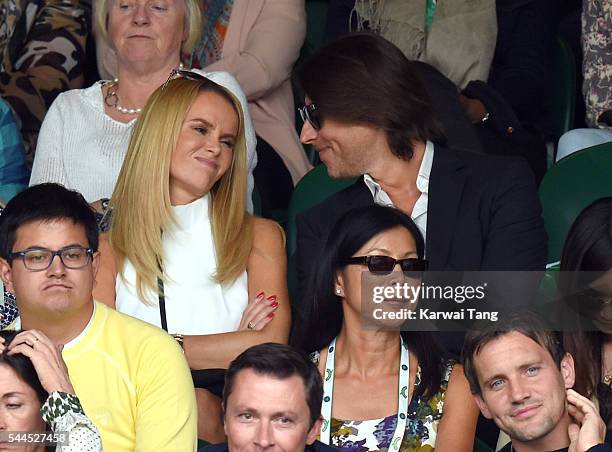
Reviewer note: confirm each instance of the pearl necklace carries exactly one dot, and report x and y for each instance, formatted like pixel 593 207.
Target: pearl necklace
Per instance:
pixel 112 100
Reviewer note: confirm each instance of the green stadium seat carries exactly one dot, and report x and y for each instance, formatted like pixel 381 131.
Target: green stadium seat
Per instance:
pixel 315 187
pixel 316 20
pixel 569 186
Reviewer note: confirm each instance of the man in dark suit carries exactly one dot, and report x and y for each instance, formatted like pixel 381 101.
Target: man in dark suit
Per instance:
pixel 367 114
pixel 272 402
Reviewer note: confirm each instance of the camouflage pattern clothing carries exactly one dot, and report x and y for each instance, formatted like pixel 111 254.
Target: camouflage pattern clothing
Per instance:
pixel 597 62
pixel 64 414
pixel 42 53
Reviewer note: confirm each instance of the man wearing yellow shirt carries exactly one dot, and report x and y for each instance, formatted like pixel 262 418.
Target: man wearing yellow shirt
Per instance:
pixel 131 377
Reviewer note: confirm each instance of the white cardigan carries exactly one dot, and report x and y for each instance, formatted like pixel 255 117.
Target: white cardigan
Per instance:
pixel 82 148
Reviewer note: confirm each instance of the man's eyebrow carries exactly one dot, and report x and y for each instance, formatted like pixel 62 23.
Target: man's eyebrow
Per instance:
pixel 493 378
pixel 246 408
pixel 521 367
pixel 287 413
pixel 40 247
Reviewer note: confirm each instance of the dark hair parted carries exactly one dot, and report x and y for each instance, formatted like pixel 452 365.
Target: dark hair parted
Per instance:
pixel 587 254
pixel 46 202
pixel 280 362
pixel 526 323
pixel 324 314
pixel 22 366
pixel 362 78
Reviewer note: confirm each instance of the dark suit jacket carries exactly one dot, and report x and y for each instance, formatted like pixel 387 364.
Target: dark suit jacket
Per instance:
pixel 483 213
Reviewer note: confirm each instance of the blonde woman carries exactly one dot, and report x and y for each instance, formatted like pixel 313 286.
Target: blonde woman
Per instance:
pixel 85 135
pixel 186 255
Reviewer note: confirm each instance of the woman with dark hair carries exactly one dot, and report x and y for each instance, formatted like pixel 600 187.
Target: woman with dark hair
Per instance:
pixel 586 285
pixel 359 354
pixel 36 396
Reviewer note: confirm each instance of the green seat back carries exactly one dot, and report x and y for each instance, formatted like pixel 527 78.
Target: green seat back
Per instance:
pixel 569 186
pixel 561 96
pixel 315 187
pixel 316 20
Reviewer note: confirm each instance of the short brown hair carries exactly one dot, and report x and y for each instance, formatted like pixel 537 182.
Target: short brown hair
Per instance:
pixel 527 323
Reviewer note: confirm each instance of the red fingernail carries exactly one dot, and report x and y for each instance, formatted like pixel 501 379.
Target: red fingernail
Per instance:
pixel 260 295
pixel 274 304
pixel 272 298
pixel 270 315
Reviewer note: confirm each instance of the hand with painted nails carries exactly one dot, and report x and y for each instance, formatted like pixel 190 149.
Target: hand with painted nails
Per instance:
pixel 588 428
pixel 46 358
pixel 258 313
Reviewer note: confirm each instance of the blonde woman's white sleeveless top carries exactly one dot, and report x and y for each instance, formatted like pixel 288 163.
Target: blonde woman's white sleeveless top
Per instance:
pixel 195 303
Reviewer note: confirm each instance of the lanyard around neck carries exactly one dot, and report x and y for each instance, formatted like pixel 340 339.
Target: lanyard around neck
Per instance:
pixel 402 396
pixel 430 11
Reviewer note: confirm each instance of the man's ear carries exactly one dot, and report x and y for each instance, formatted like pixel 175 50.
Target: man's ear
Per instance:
pixel 95 264
pixel 568 371
pixel 482 405
pixel 314 431
pixel 6 274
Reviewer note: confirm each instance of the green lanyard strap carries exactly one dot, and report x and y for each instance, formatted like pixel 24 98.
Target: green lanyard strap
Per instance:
pixel 430 12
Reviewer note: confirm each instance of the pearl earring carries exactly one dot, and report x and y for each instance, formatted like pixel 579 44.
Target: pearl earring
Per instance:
pixel 338 291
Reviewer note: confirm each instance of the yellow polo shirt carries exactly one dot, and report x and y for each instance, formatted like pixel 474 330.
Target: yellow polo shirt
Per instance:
pixel 134 384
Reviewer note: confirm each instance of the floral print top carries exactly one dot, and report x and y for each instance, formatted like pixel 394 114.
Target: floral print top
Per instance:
pixel 597 62
pixel 375 435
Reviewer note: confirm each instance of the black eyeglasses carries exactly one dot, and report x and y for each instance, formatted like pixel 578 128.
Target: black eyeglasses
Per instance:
pixel 184 73
pixel 39 259
pixel 383 265
pixel 309 113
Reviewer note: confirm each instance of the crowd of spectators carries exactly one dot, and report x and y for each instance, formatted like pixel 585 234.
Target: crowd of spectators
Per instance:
pixel 148 155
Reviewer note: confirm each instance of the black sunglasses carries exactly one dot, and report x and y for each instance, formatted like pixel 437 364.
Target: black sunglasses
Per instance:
pixel 309 113
pixel 383 265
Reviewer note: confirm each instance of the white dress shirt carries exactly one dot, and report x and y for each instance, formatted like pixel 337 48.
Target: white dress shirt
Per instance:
pixel 419 211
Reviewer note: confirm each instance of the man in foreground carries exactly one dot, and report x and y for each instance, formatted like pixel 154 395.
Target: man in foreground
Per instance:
pixel 272 401
pixel 132 378
pixel 521 378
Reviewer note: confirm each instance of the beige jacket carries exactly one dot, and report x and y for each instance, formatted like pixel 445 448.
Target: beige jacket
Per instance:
pixel 262 43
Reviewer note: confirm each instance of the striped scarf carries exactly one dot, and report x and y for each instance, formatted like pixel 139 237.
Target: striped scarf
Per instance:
pixel 216 19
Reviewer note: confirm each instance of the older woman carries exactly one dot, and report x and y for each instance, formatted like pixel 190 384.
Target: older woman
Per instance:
pixel 416 398
pixel 36 393
pixel 186 255
pixel 257 41
pixel 85 134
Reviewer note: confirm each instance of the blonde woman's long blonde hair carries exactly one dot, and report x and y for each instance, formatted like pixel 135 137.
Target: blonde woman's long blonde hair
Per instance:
pixel 141 201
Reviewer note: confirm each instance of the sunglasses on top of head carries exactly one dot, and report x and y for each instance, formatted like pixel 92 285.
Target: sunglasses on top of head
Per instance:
pixel 183 73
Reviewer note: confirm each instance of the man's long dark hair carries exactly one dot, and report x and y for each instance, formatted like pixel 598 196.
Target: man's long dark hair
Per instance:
pixel 364 79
